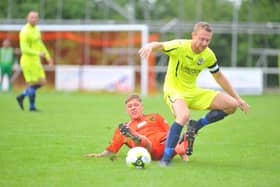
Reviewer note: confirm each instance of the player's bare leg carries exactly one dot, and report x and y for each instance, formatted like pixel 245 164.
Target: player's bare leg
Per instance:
pixel 221 106
pixel 181 112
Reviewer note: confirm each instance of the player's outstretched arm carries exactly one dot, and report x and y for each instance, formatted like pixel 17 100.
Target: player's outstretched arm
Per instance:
pixel 145 51
pixel 96 155
pixel 225 84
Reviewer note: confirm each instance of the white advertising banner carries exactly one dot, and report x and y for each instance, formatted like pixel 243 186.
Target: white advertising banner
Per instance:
pixel 109 78
pixel 244 80
pixel 67 77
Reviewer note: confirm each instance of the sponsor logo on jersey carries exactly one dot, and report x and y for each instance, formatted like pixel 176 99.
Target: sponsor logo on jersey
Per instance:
pixel 141 124
pixel 152 118
pixel 190 71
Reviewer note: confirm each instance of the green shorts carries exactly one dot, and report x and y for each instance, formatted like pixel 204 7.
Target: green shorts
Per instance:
pixel 33 71
pixel 6 68
pixel 196 98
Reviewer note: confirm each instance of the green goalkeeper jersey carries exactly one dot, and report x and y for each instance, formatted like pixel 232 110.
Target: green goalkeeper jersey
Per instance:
pixel 7 55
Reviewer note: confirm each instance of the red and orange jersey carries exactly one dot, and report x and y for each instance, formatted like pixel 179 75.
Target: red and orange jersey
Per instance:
pixel 152 126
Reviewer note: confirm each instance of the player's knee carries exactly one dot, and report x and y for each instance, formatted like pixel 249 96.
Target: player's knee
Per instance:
pixel 183 118
pixel 42 82
pixel 232 107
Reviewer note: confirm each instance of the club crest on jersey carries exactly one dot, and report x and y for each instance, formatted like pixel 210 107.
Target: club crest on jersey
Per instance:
pixel 152 118
pixel 200 61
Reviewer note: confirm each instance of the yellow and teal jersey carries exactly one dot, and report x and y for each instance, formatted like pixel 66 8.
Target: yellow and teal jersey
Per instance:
pixel 31 44
pixel 185 65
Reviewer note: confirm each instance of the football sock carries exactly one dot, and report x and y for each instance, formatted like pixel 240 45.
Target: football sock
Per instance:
pixel 172 139
pixel 31 94
pixel 30 91
pixel 25 92
pixel 210 117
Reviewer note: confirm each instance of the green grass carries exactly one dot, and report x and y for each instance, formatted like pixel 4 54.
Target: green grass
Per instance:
pixel 47 148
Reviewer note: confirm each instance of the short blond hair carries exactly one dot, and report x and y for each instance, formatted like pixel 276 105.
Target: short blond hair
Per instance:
pixel 133 96
pixel 202 25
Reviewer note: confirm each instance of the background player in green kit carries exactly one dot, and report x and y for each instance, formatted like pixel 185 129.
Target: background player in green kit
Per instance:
pixel 187 58
pixel 32 49
pixel 7 59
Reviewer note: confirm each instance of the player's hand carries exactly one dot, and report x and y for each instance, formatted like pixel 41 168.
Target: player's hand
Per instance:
pixel 96 155
pixel 184 157
pixel 93 155
pixel 123 129
pixel 17 51
pixel 42 54
pixel 50 62
pixel 243 105
pixel 145 51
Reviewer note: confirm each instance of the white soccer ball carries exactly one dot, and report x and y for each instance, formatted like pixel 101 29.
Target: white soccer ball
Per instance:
pixel 138 157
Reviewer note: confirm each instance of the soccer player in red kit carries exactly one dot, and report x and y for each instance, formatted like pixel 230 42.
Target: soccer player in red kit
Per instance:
pixel 145 130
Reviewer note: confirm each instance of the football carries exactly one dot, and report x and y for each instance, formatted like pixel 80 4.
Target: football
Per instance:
pixel 138 157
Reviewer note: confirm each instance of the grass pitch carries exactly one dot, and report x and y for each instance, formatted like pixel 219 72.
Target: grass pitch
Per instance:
pixel 47 148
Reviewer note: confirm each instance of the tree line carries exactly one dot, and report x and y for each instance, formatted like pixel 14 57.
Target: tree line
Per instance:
pixel 151 11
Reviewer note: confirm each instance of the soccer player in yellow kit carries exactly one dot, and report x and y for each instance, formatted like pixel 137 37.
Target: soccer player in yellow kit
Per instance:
pixel 187 58
pixel 32 49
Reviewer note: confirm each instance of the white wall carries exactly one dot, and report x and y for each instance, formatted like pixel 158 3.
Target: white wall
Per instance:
pixel 244 80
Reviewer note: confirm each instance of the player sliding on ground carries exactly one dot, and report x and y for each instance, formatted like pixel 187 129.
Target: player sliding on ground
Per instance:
pixel 145 130
pixel 187 58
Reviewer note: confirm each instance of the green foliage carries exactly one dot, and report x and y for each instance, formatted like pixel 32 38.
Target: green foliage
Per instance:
pixel 166 10
pixel 73 8
pixel 250 11
pixel 4 9
pixel 260 11
pixel 21 8
pixel 47 148
pixel 211 10
pixel 216 10
pixel 220 45
pixel 243 50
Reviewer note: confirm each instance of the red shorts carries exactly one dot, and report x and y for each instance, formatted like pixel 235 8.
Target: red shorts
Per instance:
pixel 158 144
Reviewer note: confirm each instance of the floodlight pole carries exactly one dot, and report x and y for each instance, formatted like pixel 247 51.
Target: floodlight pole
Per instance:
pixel 144 63
pixel 236 5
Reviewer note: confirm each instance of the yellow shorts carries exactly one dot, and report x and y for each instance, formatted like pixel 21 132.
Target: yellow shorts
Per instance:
pixel 197 98
pixel 32 71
